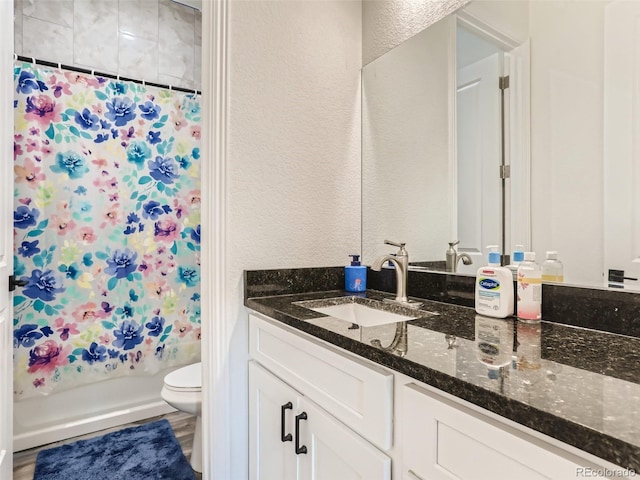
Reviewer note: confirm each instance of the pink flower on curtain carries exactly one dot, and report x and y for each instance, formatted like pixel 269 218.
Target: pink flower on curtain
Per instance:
pixel 86 235
pixel 64 329
pixel 62 223
pixel 42 109
pixel 166 230
pixel 47 356
pixel 88 312
pixel 28 173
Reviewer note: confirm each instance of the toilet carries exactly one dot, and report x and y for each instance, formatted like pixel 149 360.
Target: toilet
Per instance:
pixel 183 390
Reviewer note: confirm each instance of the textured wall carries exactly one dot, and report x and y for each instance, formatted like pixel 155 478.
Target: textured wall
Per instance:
pixel 294 152
pixel 154 40
pixel 388 23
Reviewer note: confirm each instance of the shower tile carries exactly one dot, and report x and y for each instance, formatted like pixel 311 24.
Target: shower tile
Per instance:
pixel 96 33
pixel 138 58
pixel 173 81
pixel 139 18
pixel 198 28
pixel 17 26
pixel 197 68
pixel 53 11
pixel 47 41
pixel 176 40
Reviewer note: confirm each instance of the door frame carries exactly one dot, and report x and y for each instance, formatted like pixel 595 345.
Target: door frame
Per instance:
pixel 6 269
pixel 216 322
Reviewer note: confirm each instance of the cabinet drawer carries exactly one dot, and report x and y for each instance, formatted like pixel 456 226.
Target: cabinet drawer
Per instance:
pixel 356 393
pixel 445 441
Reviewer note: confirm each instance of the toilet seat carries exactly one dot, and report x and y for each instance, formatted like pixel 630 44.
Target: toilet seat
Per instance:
pixel 185 379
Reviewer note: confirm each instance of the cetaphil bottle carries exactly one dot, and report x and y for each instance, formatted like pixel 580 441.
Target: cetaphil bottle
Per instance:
pixel 494 288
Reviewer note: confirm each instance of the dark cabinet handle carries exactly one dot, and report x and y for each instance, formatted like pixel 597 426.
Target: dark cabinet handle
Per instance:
pixel 300 449
pixel 283 437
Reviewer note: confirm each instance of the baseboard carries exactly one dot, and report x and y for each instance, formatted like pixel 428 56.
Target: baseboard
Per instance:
pixel 69 429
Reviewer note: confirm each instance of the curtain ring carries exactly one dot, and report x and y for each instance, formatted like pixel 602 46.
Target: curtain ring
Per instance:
pixel 33 60
pixel 59 66
pixel 144 83
pixel 93 72
pixel 169 87
pixel 15 57
pixel 118 77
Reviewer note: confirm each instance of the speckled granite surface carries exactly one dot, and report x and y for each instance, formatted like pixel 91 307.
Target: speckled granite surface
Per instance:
pixel 574 384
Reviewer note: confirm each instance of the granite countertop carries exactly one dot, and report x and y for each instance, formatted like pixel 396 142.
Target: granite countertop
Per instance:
pixel 577 385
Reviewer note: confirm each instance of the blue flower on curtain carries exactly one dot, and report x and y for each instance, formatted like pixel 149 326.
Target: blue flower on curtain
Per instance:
pixel 128 335
pixel 150 111
pixel 25 217
pixel 27 83
pixel 87 120
pixel 138 153
pixel 70 163
pixel 95 353
pixel 155 326
pixel 43 285
pixel 121 110
pixel 164 170
pixel 122 263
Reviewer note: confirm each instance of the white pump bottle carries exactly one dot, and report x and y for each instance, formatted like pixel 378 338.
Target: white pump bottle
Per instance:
pixel 494 288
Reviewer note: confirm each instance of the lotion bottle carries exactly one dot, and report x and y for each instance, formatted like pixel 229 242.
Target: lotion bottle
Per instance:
pixel 552 270
pixel 530 288
pixel 494 288
pixel 355 276
pixel 516 259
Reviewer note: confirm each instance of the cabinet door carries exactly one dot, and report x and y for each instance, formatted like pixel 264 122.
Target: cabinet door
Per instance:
pixel 334 451
pixel 272 406
pixel 445 441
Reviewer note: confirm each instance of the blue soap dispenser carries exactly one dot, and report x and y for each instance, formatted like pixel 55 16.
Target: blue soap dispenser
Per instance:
pixel 355 276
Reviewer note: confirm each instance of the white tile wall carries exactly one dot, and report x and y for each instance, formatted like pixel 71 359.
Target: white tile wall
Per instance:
pixel 152 40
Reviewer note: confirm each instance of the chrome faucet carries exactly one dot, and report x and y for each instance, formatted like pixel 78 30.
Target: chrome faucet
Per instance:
pixel 453 257
pixel 401 263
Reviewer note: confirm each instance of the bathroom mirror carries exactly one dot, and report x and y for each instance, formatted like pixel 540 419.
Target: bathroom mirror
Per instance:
pixel 574 190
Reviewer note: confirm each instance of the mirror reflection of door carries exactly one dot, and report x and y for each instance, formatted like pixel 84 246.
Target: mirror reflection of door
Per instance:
pixel 491 131
pixel 478 130
pixel 479 145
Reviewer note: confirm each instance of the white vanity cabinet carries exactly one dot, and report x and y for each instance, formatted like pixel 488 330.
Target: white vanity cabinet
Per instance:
pixel 347 408
pixel 443 440
pixel 293 384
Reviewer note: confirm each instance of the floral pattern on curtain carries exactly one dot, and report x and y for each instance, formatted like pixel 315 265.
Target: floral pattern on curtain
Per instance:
pixel 106 229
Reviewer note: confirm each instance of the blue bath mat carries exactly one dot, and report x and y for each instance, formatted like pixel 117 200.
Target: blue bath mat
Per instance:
pixel 148 452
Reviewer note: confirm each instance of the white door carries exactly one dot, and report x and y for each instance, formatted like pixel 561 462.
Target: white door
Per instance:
pixel 478 158
pixel 334 451
pixel 622 142
pixel 6 239
pixel 272 408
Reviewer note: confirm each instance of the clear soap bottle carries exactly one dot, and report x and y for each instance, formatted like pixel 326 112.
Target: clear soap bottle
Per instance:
pixel 552 270
pixel 529 288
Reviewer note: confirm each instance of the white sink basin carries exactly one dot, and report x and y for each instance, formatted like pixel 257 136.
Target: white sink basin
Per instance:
pixel 361 314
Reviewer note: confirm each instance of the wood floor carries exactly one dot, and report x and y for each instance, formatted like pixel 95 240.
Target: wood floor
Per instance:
pixel 182 423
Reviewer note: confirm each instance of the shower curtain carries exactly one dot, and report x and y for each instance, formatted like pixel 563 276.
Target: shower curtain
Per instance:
pixel 106 229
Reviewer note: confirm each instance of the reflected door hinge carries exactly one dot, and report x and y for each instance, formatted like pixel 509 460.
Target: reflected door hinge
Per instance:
pixel 505 171
pixel 503 82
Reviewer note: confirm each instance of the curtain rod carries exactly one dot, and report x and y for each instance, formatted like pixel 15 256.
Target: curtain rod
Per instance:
pixel 36 61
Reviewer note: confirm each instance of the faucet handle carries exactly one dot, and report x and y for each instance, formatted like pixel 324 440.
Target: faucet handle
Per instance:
pixel 395 244
pixel 402 251
pixel 453 244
